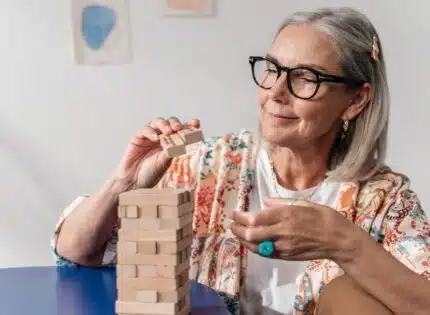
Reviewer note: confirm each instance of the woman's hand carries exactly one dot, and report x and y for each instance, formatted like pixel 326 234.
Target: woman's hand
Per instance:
pixel 300 231
pixel 144 162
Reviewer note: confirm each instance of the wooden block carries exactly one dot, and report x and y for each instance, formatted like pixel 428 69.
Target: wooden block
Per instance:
pixel 174 211
pixel 191 135
pixel 149 271
pixel 122 212
pixel 148 224
pixel 131 307
pixel 134 308
pixel 184 257
pixel 173 247
pixel 169 272
pixel 154 196
pixel 192 196
pixel 126 293
pixel 152 224
pixel 147 296
pixel 159 271
pixel 147 248
pixel 132 212
pixel 128 247
pixel 150 236
pixel 154 284
pixel 173 296
pixel 152 271
pixel 177 139
pixel 187 230
pixel 176 223
pixel 148 211
pixel 136 212
pixel 127 271
pixel 128 258
pixel 176 151
pixel 171 147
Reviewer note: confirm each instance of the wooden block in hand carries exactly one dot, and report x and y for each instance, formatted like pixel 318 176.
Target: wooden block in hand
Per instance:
pixel 172 145
pixel 190 136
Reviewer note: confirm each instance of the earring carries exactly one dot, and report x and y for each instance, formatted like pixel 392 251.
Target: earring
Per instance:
pixel 345 128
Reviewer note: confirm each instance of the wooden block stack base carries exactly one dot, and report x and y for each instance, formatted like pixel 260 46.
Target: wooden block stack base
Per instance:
pixel 154 244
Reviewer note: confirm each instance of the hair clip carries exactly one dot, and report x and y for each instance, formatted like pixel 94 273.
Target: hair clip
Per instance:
pixel 375 49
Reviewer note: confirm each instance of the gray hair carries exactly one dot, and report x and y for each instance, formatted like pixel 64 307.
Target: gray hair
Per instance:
pixel 362 149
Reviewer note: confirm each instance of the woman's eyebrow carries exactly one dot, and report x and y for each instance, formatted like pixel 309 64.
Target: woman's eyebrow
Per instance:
pixel 309 65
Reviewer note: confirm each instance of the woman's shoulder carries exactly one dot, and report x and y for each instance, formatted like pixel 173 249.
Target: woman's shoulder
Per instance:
pixel 388 179
pixel 390 185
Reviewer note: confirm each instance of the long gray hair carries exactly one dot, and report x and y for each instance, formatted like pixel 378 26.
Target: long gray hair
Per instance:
pixel 360 151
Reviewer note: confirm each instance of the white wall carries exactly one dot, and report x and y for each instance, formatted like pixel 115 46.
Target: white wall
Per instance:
pixel 63 127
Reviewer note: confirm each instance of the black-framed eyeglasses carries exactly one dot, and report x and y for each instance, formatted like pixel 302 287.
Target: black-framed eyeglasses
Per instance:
pixel 303 82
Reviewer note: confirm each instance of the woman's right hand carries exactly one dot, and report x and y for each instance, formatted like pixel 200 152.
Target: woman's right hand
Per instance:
pixel 144 162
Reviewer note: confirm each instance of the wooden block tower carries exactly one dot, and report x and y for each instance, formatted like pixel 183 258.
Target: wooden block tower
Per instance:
pixel 153 252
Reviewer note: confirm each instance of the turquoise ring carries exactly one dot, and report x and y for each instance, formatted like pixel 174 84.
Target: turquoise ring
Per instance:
pixel 266 248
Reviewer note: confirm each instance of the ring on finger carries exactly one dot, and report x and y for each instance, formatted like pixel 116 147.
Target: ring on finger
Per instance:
pixel 266 248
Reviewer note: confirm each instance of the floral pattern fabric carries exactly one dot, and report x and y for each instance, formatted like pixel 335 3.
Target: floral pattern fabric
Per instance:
pixel 221 173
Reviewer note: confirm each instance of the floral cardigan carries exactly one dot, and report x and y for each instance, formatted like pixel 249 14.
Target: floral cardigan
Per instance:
pixel 221 173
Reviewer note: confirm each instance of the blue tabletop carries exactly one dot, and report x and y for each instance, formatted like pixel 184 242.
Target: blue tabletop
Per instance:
pixel 78 291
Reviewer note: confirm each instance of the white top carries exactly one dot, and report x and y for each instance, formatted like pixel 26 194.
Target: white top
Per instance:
pixel 270 282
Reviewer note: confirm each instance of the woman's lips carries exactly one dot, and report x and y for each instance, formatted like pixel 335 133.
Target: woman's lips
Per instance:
pixel 284 117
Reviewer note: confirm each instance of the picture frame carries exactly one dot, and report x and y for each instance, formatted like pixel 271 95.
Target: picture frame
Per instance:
pixel 101 32
pixel 189 8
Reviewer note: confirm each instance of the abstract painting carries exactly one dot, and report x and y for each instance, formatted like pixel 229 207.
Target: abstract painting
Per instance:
pixel 101 30
pixel 189 7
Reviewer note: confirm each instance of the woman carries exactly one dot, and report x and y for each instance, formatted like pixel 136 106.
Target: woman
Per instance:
pixel 331 209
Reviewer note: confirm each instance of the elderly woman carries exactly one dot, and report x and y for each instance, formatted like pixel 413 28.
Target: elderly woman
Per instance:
pixel 304 217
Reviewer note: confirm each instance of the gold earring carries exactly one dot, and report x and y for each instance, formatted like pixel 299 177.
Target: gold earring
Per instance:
pixel 345 128
pixel 345 125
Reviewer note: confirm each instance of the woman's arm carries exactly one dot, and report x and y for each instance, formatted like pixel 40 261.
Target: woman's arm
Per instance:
pixel 386 278
pixel 87 229
pixel 83 235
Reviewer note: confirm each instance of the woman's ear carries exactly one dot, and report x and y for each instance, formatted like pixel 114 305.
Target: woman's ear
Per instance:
pixel 360 99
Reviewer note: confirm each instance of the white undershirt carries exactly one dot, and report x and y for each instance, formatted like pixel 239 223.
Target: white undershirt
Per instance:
pixel 270 282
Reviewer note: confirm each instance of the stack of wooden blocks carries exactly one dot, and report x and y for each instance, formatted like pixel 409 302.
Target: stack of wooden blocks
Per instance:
pixel 153 252
pixel 154 243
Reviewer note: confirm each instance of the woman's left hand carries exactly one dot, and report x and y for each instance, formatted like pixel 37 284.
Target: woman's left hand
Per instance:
pixel 300 231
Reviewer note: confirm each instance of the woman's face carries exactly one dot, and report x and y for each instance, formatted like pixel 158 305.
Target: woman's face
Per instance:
pixel 286 120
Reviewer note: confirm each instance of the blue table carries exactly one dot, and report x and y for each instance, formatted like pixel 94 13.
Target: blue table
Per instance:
pixel 78 291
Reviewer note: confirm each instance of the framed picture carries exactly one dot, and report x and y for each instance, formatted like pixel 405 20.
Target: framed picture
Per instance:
pixel 101 32
pixel 190 8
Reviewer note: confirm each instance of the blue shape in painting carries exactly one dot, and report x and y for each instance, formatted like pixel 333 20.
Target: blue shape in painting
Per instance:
pixel 98 22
